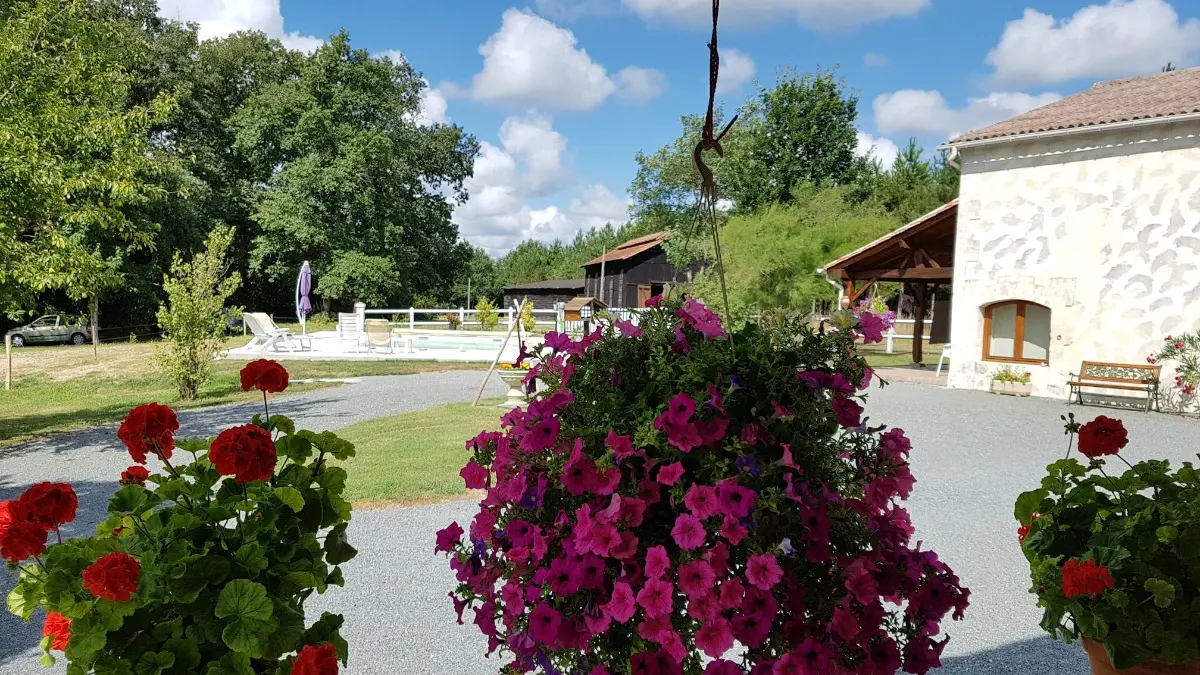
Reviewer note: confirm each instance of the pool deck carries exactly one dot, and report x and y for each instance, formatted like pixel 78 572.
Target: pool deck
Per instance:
pixel 328 346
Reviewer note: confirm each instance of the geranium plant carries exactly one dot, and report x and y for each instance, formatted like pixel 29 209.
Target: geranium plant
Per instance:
pixel 675 489
pixel 1184 351
pixel 204 564
pixel 1115 554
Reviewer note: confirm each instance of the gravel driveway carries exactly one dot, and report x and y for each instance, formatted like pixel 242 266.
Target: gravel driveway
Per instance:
pixel 972 454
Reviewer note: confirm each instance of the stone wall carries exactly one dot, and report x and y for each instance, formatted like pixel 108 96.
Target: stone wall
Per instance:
pixel 1103 228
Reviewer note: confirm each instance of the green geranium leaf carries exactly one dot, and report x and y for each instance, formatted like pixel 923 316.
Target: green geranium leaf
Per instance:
pixel 1028 504
pixel 284 424
pixel 187 654
pixel 47 660
pixel 1167 534
pixel 132 499
pixel 251 557
pixel 87 637
pixel 286 636
pixel 1163 592
pixel 112 615
pixel 328 443
pixel 231 664
pixel 194 445
pixel 23 600
pixel 296 448
pixel 248 614
pixel 195 575
pixel 326 630
pixel 291 497
pixel 333 478
pixel 108 665
pixel 335 578
pixel 337 549
pixel 154 663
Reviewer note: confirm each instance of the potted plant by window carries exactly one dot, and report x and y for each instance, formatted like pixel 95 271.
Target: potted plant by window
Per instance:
pixel 206 559
pixel 676 489
pixel 1011 382
pixel 1115 556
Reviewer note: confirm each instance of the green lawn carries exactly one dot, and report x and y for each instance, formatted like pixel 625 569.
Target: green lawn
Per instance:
pixel 414 457
pixel 61 388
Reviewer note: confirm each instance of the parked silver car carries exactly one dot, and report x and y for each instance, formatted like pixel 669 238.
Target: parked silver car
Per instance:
pixel 52 328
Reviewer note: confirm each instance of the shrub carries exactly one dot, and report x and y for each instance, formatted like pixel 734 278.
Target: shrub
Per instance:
pixel 528 322
pixel 202 567
pixel 1184 350
pixel 192 318
pixel 1119 554
pixel 485 312
pixel 673 490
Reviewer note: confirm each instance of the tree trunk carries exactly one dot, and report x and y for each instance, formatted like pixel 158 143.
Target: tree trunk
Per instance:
pixel 95 309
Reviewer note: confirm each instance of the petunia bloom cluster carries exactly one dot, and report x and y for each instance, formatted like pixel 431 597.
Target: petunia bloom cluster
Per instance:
pixel 678 500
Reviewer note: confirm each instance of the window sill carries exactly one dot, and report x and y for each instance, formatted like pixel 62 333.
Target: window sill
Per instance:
pixel 1028 362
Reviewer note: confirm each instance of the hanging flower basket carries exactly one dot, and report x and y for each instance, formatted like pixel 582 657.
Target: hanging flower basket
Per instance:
pixel 675 489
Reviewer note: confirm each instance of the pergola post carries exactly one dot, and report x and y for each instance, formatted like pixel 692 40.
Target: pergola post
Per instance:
pixel 920 295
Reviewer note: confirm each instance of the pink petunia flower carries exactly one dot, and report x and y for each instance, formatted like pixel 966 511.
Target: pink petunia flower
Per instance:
pixel 702 500
pixel 629 330
pixel 723 667
pixel 657 562
pixel 680 408
pixel 681 345
pixel 544 622
pixel 696 578
pixel 448 538
pixel 733 531
pixel 670 474
pixel 736 501
pixel 656 598
pixel 688 532
pixel 715 637
pixel 621 446
pixel 714 399
pixel 474 475
pixel 763 571
pixel 621 606
pixel 848 412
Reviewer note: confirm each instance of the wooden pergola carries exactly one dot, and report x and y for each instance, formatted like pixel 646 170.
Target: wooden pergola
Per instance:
pixel 919 255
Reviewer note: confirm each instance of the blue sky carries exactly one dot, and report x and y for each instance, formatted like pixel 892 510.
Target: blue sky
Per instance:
pixel 563 93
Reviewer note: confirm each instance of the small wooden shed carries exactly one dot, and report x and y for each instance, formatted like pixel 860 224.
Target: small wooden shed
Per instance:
pixel 571 313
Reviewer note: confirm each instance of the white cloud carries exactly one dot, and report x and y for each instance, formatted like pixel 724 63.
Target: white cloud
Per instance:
pixel 640 84
pixel 573 10
pixel 218 18
pixel 927 112
pixel 1122 38
pixel 394 55
pixel 875 60
pixel 532 62
pixel 737 68
pixel 818 13
pixel 529 163
pixel 883 149
pixel 433 107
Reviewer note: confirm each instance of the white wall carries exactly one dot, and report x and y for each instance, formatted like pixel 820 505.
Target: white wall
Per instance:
pixel 1103 228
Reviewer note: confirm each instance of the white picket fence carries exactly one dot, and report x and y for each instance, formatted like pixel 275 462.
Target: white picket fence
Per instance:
pixel 413 318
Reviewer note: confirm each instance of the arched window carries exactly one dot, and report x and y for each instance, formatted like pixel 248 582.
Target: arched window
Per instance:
pixel 1016 331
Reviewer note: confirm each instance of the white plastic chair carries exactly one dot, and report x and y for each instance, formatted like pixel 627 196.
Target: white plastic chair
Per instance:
pixel 348 331
pixel 945 355
pixel 267 335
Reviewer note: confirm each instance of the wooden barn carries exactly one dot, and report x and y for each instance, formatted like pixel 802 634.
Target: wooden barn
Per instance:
pixel 634 272
pixel 544 294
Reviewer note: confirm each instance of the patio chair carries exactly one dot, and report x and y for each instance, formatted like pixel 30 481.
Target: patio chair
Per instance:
pixel 945 355
pixel 268 336
pixel 379 335
pixel 348 333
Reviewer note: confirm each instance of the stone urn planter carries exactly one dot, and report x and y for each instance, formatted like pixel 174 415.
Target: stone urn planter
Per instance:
pixel 1012 388
pixel 515 379
pixel 1098 659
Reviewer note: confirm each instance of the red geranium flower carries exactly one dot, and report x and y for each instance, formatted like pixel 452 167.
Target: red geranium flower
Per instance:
pixel 1102 436
pixel 58 628
pixel 113 577
pixel 312 660
pixel 7 515
pixel 247 453
pixel 264 375
pixel 47 504
pixel 1085 578
pixel 149 428
pixel 21 540
pixel 134 475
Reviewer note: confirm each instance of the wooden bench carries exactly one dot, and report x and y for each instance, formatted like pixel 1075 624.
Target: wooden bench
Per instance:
pixel 1119 376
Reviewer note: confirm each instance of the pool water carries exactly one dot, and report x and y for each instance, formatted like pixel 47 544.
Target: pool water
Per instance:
pixel 481 344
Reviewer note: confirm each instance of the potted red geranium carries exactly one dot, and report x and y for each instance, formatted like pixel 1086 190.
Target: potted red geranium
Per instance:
pixel 1115 554
pixel 674 490
pixel 204 563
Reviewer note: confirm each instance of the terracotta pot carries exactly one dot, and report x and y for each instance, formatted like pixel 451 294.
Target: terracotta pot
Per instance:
pixel 1101 666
